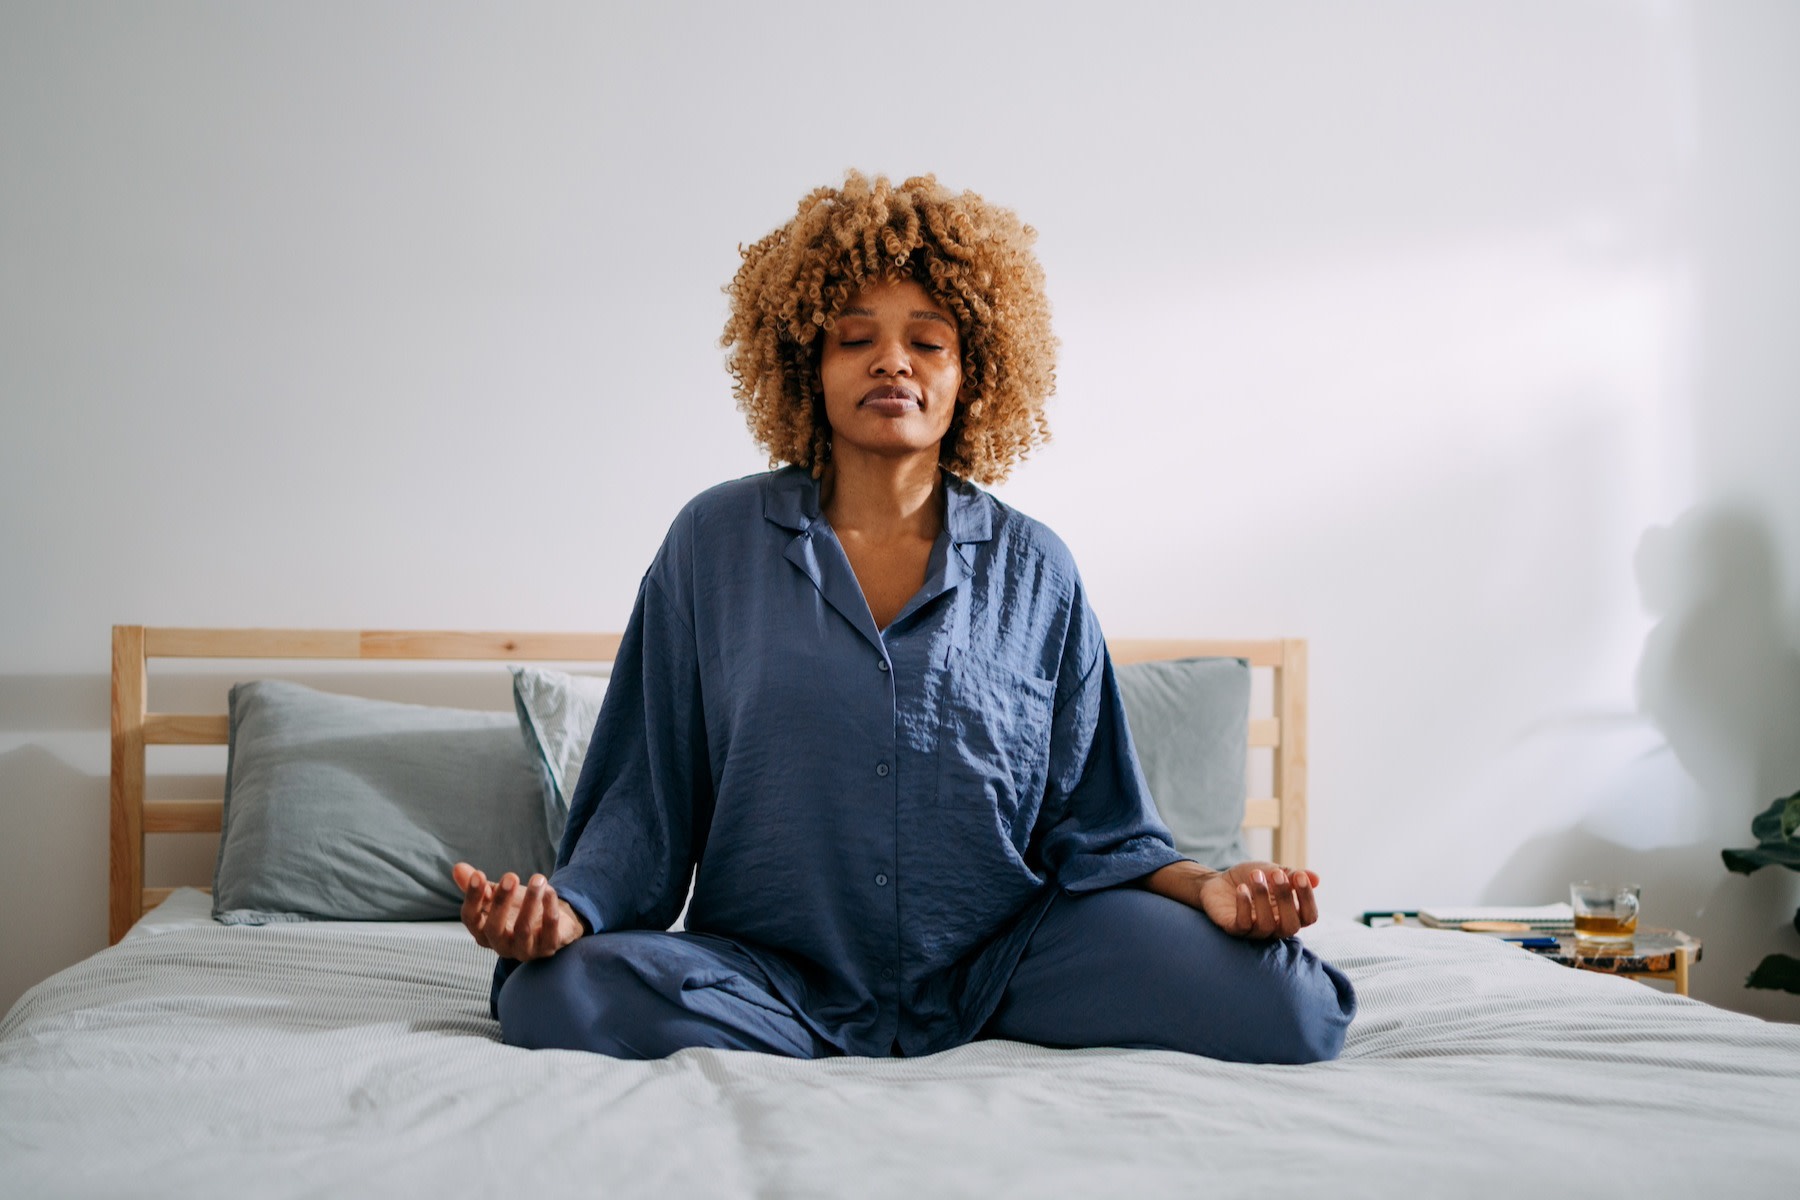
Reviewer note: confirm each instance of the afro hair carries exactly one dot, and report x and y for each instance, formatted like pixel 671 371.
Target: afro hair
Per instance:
pixel 973 257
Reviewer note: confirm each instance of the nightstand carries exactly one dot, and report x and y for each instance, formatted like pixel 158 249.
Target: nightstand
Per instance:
pixel 1650 954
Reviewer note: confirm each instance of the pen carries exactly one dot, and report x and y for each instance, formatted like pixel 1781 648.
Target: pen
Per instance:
pixel 1532 943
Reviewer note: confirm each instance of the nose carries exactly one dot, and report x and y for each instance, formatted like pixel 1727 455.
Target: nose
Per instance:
pixel 891 359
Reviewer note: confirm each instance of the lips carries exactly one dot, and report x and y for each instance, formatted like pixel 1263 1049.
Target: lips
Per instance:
pixel 891 398
pixel 891 391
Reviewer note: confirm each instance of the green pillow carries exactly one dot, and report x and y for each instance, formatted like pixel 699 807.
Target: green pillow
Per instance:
pixel 342 808
pixel 1190 721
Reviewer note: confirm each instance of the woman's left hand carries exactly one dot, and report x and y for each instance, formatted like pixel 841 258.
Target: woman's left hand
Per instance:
pixel 1252 899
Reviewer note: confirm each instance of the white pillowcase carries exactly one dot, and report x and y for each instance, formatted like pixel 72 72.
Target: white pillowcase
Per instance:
pixel 557 712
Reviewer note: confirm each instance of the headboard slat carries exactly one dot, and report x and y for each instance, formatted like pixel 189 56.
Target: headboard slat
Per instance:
pixel 540 647
pixel 1130 650
pixel 184 816
pixel 252 643
pixel 186 729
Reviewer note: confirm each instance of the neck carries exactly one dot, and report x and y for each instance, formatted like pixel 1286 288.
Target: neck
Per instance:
pixel 883 497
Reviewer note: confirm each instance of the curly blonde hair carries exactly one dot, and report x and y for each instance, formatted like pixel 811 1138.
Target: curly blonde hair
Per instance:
pixel 973 257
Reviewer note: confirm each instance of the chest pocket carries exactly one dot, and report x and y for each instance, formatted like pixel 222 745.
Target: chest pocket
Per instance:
pixel 994 746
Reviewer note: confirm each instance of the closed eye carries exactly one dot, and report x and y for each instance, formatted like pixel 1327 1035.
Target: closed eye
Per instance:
pixel 856 342
pixel 927 346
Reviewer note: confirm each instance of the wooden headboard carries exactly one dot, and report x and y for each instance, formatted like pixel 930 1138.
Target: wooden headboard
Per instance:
pixel 1281 734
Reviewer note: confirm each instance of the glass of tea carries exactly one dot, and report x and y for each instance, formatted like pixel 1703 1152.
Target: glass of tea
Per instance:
pixel 1604 912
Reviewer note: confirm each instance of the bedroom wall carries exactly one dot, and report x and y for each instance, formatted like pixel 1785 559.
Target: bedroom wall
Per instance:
pixel 1456 339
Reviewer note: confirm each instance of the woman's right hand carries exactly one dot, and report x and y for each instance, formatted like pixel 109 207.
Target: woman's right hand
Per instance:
pixel 515 920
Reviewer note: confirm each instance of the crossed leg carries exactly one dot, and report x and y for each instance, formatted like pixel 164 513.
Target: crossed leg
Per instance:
pixel 1126 967
pixel 1120 967
pixel 642 995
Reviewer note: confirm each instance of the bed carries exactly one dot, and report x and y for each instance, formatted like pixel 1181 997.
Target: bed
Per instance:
pixel 351 1057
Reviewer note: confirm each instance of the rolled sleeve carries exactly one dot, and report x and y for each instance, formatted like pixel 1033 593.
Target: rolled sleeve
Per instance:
pixel 628 850
pixel 1103 826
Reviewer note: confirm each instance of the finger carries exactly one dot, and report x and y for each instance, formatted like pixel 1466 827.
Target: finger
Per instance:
pixel 1287 911
pixel 515 907
pixel 460 873
pixel 524 929
pixel 1285 906
pixel 543 928
pixel 471 908
pixel 549 937
pixel 529 932
pixel 476 902
pixel 1306 902
pixel 505 913
pixel 1265 904
pixel 1246 911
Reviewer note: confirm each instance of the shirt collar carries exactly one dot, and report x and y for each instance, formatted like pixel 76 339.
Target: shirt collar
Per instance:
pixel 791 500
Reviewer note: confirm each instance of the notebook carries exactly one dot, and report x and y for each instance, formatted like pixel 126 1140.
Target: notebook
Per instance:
pixel 1548 918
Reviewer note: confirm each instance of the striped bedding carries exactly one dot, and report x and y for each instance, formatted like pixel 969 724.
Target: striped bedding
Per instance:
pixel 195 1060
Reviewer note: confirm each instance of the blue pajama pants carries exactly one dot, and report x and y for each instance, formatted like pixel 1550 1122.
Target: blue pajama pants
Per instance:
pixel 1119 967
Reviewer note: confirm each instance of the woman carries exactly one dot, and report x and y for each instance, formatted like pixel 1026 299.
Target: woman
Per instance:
pixel 867 709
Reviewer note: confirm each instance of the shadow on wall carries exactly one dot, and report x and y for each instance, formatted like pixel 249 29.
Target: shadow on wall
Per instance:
pixel 55 703
pixel 1720 677
pixel 52 883
pixel 1719 685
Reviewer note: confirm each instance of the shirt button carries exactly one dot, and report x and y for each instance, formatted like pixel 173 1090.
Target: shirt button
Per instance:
pixel 881 769
pixel 881 881
pixel 883 664
pixel 887 972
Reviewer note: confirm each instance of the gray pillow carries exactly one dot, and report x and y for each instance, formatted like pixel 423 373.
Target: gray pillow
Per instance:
pixel 1190 720
pixel 557 712
pixel 342 808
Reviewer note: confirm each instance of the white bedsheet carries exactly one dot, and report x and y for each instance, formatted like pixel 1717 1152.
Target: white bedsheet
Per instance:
pixel 358 1060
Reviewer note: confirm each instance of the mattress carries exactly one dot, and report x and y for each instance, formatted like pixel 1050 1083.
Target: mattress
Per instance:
pixel 352 1059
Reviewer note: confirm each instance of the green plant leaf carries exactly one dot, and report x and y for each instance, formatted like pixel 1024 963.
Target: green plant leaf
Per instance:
pixel 1746 861
pixel 1777 830
pixel 1778 972
pixel 1776 824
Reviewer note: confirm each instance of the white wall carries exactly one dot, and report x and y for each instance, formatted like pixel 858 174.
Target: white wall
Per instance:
pixel 1456 338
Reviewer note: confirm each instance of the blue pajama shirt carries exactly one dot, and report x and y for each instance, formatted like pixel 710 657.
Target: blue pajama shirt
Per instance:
pixel 878 818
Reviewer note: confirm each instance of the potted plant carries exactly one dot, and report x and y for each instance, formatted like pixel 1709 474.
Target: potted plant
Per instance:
pixel 1777 832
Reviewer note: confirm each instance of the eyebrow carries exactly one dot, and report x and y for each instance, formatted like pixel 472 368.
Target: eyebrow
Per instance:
pixel 919 315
